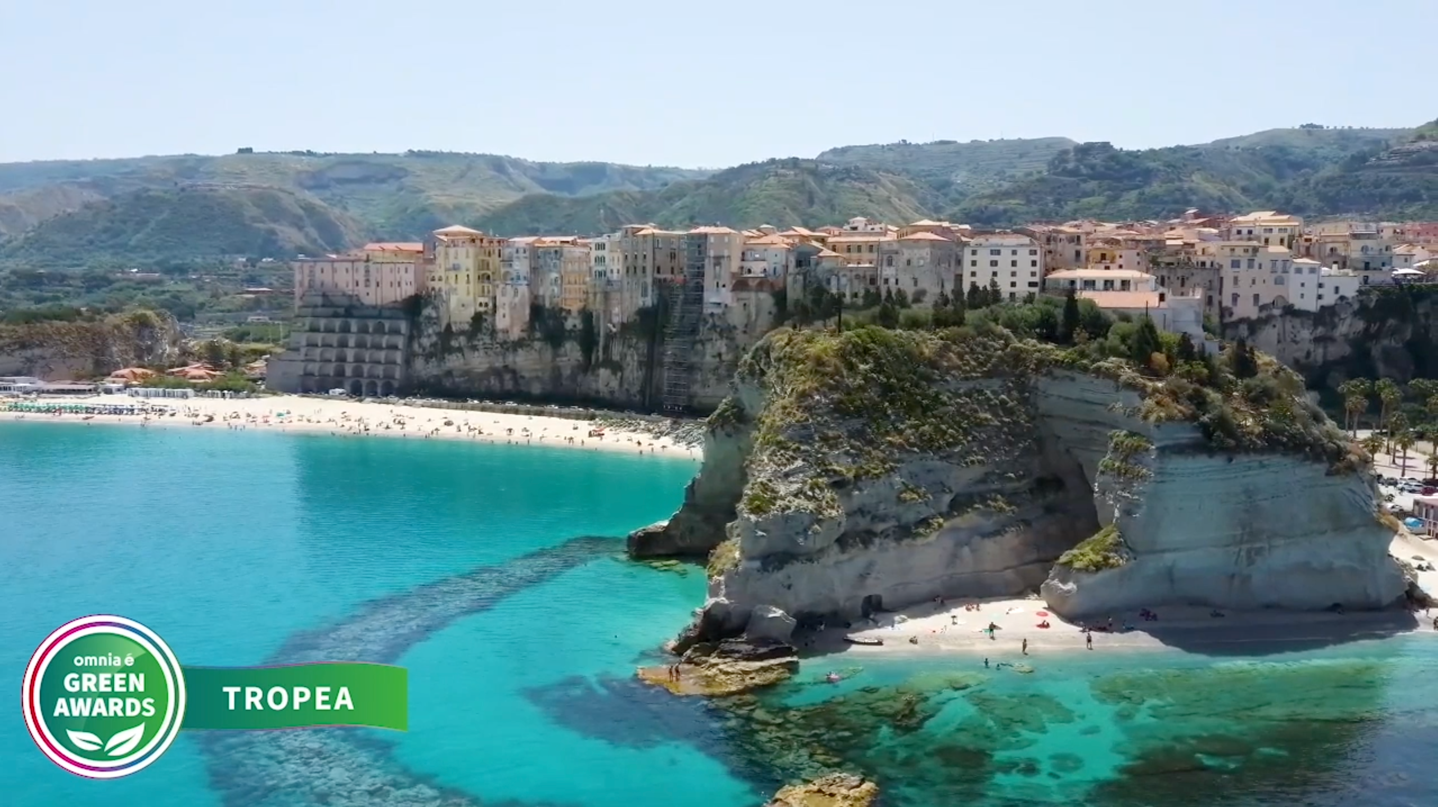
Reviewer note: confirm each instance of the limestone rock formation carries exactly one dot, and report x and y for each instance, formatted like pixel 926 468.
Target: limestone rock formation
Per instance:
pixel 835 790
pixel 74 350
pixel 877 469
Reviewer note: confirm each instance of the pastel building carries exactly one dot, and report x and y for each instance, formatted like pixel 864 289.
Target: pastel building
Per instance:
pixel 380 274
pixel 1012 260
pixel 466 272
pixel 1125 291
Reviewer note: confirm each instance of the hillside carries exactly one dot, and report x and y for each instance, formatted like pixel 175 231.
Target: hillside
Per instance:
pixel 1397 182
pixel 391 195
pixel 182 224
pixel 947 164
pixel 1326 142
pixel 1274 169
pixel 779 192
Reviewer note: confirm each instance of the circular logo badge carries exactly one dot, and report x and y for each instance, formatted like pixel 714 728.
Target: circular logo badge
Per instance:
pixel 103 697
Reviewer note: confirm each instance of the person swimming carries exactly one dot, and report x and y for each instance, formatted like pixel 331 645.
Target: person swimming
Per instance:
pixel 833 678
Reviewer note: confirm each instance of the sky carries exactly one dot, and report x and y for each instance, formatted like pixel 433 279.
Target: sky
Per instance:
pixel 687 83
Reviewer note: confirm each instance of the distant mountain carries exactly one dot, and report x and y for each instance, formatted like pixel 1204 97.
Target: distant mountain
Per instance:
pixel 73 213
pixel 1396 182
pixel 778 192
pixel 1278 168
pixel 949 164
pixel 391 195
pixel 184 223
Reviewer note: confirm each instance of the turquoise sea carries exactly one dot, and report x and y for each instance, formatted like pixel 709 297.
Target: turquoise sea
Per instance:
pixel 495 574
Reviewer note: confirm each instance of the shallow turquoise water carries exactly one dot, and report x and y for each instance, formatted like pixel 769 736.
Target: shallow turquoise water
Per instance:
pixel 229 544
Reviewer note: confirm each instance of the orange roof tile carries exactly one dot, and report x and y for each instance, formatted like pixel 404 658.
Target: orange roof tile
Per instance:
pixel 924 236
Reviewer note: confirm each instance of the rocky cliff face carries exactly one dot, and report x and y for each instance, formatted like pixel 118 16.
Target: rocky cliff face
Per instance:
pixel 880 469
pixel 620 368
pixel 76 350
pixel 1389 332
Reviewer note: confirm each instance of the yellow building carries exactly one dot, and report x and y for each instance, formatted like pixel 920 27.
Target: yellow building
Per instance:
pixel 466 272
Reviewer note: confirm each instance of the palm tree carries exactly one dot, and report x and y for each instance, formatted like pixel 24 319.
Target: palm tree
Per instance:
pixel 1397 425
pixel 1388 395
pixel 1355 393
pixel 1404 440
pixel 1372 444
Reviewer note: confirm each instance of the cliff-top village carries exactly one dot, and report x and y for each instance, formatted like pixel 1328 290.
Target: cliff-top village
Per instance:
pixel 1177 271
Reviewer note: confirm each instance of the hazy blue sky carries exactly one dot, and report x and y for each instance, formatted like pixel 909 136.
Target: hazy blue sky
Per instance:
pixel 693 84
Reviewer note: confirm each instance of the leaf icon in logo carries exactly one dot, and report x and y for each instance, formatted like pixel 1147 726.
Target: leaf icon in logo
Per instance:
pixel 124 742
pixel 84 740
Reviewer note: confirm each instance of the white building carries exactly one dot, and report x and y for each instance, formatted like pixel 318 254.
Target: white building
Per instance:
pixel 1125 291
pixel 512 302
pixel 770 256
pixel 1013 260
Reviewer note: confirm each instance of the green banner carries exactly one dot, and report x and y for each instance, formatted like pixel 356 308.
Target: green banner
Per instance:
pixel 297 696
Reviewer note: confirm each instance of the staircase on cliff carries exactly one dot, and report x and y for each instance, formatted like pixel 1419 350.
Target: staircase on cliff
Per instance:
pixel 681 332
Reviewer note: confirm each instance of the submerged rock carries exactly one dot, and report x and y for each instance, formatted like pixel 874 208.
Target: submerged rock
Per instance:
pixel 835 790
pixel 726 668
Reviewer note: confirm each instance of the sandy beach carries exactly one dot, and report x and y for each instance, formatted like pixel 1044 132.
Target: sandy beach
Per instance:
pixel 356 419
pixel 958 626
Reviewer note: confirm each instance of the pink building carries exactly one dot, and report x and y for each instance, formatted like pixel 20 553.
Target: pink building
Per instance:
pixel 381 273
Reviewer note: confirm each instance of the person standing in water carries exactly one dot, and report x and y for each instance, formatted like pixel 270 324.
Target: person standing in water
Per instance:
pixel 1026 646
pixel 1088 640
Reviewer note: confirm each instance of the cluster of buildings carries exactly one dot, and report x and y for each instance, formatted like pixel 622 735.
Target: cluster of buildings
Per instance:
pixel 1178 271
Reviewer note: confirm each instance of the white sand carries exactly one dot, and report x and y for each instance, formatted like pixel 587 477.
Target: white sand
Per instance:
pixel 347 418
pixel 950 628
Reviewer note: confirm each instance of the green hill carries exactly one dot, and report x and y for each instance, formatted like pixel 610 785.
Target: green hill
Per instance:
pixel 778 192
pixel 1272 169
pixel 393 196
pixel 182 224
pixel 948 165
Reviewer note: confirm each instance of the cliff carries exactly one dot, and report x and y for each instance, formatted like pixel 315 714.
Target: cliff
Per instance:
pixel 1387 332
pixel 619 367
pixel 56 350
pixel 876 469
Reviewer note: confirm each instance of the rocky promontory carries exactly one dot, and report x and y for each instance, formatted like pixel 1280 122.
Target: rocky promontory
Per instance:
pixel 873 469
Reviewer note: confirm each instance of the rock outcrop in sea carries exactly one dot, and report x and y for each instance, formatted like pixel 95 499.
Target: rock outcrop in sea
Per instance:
pixel 834 790
pixel 874 469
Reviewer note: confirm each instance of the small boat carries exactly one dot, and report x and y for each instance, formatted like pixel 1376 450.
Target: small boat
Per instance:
pixel 863 641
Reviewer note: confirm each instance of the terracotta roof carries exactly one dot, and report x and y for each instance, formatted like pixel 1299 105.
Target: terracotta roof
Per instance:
pixel 714 231
pixel 1121 299
pixel 394 246
pixel 923 236
pixel 769 241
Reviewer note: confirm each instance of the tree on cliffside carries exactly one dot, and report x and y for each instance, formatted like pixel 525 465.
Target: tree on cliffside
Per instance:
pixel 995 295
pixel 1241 360
pixel 977 297
pixel 1069 325
pixel 1145 343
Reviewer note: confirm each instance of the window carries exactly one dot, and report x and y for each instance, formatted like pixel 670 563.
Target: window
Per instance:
pixel 1235 264
pixel 1033 252
pixel 1033 263
pixel 1255 299
pixel 1013 263
pixel 993 263
pixel 996 252
pixel 1013 284
pixel 973 263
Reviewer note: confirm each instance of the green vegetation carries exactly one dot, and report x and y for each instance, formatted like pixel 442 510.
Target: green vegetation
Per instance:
pixel 1104 549
pixel 723 558
pixel 392 196
pixel 184 224
pixel 727 414
pixel 781 192
pixel 1123 447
